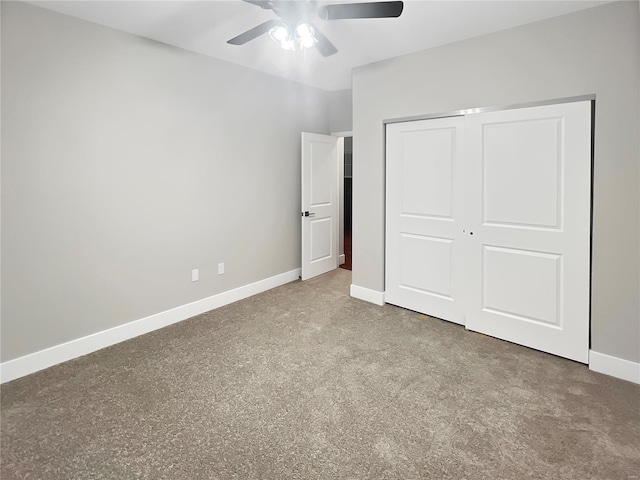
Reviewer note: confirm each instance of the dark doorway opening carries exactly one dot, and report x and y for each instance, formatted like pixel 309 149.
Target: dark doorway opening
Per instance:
pixel 348 196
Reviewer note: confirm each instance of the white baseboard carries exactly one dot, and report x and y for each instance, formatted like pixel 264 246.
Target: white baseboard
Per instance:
pixel 367 295
pixel 614 366
pixel 341 259
pixel 75 348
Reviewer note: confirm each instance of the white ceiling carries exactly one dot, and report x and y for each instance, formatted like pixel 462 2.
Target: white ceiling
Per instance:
pixel 204 27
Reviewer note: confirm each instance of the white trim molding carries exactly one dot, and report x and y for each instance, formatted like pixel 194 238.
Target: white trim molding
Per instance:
pixel 614 366
pixel 342 134
pixel 34 362
pixel 341 259
pixel 371 296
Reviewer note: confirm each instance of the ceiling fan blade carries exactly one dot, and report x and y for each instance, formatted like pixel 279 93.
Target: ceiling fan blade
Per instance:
pixel 324 46
pixel 266 4
pixel 362 10
pixel 253 33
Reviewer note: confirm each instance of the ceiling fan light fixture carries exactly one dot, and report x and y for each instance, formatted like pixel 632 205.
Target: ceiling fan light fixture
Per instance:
pixel 308 42
pixel 304 30
pixel 285 37
pixel 288 44
pixel 280 33
pixel 305 34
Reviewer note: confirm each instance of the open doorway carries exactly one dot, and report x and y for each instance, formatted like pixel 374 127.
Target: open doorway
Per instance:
pixel 347 201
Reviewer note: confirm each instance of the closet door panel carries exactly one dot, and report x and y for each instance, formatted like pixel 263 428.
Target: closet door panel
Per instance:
pixel 424 203
pixel 528 204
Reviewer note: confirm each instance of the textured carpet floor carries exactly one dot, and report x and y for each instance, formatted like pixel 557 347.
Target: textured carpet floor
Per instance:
pixel 305 382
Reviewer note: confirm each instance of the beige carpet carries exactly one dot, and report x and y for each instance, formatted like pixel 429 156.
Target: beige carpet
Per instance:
pixel 305 382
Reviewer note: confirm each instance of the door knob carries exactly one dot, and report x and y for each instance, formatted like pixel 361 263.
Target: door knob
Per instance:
pixel 307 214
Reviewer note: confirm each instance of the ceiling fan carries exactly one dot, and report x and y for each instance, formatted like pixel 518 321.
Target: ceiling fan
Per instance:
pixel 295 30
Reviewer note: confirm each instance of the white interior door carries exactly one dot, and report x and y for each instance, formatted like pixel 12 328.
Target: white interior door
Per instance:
pixel 319 204
pixel 424 198
pixel 528 185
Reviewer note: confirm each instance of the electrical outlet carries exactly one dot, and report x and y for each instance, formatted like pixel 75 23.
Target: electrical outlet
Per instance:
pixel 195 275
pixel 220 268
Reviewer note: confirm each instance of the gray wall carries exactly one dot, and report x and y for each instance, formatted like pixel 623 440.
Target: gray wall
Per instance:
pixel 125 164
pixel 594 51
pixel 340 111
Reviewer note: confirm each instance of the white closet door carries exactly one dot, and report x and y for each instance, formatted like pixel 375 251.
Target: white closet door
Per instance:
pixel 528 185
pixel 424 204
